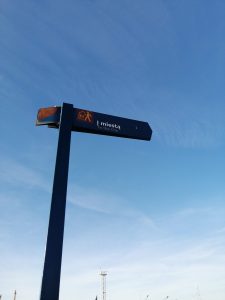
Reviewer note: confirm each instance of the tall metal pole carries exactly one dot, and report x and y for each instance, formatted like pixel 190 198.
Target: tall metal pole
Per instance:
pixel 103 274
pixel 53 255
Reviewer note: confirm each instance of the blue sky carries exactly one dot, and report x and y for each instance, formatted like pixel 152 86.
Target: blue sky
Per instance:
pixel 150 213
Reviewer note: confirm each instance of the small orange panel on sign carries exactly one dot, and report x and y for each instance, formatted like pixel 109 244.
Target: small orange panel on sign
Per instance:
pixel 48 115
pixel 46 112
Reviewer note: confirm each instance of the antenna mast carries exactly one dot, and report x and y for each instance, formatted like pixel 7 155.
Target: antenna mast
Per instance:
pixel 103 274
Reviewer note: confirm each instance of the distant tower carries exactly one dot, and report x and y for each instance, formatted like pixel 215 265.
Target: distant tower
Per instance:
pixel 14 296
pixel 198 295
pixel 103 274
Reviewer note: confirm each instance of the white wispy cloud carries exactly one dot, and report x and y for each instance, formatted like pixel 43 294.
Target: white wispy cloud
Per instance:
pixel 148 269
pixel 100 201
pixel 176 121
pixel 17 174
pixel 158 266
pixel 114 62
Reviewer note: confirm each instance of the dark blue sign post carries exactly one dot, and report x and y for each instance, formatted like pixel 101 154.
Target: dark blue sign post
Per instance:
pixel 67 119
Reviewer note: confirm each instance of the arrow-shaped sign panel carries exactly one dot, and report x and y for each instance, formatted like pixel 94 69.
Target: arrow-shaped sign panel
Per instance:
pixel 97 123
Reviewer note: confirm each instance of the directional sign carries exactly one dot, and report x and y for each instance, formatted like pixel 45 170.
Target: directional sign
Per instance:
pixel 67 119
pixel 97 123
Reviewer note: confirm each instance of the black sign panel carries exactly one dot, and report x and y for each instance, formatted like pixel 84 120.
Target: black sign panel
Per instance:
pixel 93 122
pixel 97 123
